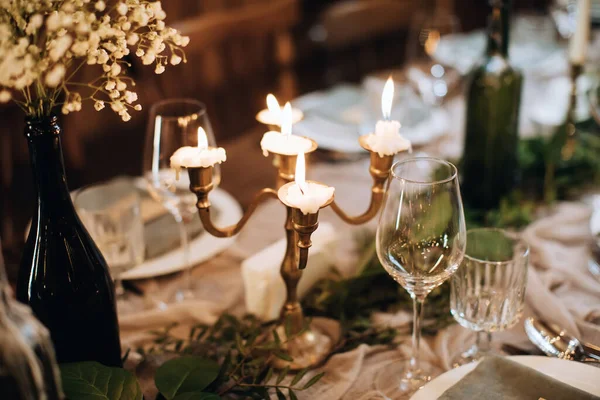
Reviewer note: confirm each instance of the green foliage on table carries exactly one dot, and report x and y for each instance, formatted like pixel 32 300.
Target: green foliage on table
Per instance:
pixel 93 381
pixel 570 178
pixel 184 375
pixel 233 356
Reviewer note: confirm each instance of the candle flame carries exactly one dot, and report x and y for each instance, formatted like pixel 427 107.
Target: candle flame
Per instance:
pixel 202 139
pixel 386 98
pixel 273 104
pixel 300 176
pixel 286 119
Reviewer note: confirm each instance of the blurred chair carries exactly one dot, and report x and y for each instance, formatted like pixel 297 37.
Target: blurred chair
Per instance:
pixel 356 21
pixel 358 36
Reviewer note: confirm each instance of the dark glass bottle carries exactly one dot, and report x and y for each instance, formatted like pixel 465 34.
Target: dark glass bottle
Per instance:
pixel 63 276
pixel 490 157
pixel 28 369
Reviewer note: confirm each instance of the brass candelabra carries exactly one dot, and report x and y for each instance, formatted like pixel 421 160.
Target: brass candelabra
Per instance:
pixel 306 346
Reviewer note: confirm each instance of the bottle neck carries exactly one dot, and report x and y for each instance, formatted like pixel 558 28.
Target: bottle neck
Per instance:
pixel 498 28
pixel 43 139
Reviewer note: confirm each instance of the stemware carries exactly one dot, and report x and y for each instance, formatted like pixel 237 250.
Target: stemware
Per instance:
pixel 421 239
pixel 175 123
pixel 488 292
pixel 111 212
pixel 433 80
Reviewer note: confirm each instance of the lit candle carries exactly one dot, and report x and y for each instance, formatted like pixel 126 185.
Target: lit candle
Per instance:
pixel 309 197
pixel 579 41
pixel 272 114
pixel 387 140
pixel 284 142
pixel 197 156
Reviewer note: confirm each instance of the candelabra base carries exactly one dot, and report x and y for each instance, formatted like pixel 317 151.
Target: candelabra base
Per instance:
pixel 307 349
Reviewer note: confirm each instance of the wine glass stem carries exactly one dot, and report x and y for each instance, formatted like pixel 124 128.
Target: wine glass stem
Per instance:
pixel 418 303
pixel 185 247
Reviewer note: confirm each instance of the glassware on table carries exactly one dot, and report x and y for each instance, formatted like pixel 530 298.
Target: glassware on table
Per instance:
pixel 488 290
pixel 432 80
pixel 174 123
pixel 111 212
pixel 421 241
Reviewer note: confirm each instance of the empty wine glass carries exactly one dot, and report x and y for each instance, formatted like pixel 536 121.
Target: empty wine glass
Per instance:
pixel 432 79
pixel 421 241
pixel 173 124
pixel 488 290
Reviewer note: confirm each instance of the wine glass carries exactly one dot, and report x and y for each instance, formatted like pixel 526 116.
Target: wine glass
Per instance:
pixel 488 290
pixel 175 123
pixel 432 79
pixel 421 241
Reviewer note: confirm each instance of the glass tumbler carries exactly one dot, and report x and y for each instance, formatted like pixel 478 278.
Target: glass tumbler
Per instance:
pixel 488 289
pixel 111 213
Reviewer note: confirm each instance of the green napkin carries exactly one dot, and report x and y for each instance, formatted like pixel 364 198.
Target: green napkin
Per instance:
pixel 497 378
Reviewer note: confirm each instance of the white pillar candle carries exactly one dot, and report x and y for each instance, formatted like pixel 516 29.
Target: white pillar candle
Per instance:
pixel 197 156
pixel 579 41
pixel 284 142
pixel 309 197
pixel 272 114
pixel 387 140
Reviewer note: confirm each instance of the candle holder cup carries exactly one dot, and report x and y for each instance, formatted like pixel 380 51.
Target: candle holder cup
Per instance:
pixel 305 344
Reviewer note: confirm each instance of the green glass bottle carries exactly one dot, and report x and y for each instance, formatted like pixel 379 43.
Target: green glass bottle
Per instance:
pixel 490 159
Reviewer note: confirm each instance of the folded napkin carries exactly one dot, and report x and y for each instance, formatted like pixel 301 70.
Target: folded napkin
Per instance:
pixel 502 379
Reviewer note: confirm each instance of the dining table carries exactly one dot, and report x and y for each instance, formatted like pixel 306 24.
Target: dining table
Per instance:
pixel 560 288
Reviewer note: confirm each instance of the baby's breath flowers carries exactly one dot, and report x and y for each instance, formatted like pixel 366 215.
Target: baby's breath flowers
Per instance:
pixel 44 43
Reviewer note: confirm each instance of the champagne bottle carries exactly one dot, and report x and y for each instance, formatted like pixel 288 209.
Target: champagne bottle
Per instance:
pixel 490 158
pixel 63 276
pixel 28 369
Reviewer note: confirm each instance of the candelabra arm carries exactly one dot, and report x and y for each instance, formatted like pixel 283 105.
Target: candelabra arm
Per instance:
pixel 380 171
pixel 201 185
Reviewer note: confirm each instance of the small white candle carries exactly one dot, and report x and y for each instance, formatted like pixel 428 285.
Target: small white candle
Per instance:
pixel 197 156
pixel 272 114
pixel 579 41
pixel 309 197
pixel 284 142
pixel 387 140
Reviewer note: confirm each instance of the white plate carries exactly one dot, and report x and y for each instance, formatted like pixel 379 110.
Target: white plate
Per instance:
pixel 202 248
pixel 576 374
pixel 337 117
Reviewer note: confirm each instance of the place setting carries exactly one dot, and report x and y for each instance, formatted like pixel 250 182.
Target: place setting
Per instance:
pixel 327 223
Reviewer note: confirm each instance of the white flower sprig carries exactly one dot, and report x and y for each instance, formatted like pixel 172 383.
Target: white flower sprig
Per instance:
pixel 44 43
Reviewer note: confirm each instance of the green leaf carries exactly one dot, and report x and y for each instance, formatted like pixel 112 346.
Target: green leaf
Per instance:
pixel 282 374
pixel 276 337
pixel 197 396
pixel 292 395
pixel 185 374
pixel 269 375
pixel 283 356
pixel 313 380
pixel 90 380
pixel 280 395
pixel 299 376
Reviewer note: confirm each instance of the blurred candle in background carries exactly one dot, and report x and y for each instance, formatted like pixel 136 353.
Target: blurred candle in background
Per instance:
pixel 273 114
